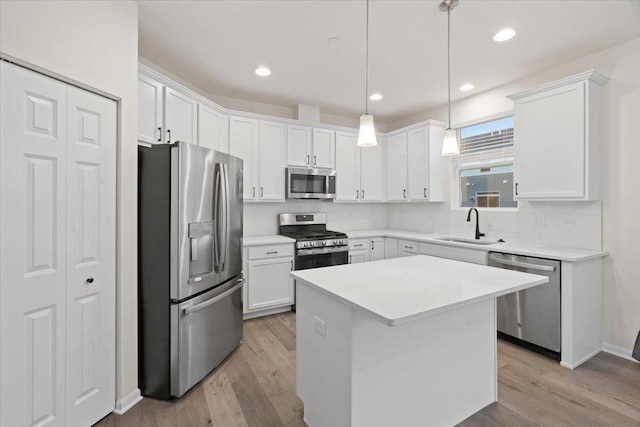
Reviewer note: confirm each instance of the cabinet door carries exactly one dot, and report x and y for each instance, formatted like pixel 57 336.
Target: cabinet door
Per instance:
pixel 397 167
pixel 150 110
pixel 33 175
pixel 210 129
pixel 417 162
pixel 298 145
pixel 390 248
pixel 271 161
pixel 269 284
pixel 90 258
pixel 371 176
pixel 324 142
pixel 377 249
pixel 180 117
pixel 358 256
pixel 347 167
pixel 243 142
pixel 550 144
pixel 437 170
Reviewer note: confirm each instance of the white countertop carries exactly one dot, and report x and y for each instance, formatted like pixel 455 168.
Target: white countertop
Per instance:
pixel 552 252
pixel 265 240
pixel 400 290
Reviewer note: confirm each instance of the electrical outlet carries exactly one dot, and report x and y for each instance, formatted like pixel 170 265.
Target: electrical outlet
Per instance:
pixel 569 220
pixel 321 326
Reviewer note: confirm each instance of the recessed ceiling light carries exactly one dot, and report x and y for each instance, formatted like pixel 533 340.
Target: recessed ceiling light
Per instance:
pixel 504 35
pixel 467 86
pixel 263 71
pixel 375 97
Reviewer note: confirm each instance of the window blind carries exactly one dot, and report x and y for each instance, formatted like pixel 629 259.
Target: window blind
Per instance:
pixel 487 142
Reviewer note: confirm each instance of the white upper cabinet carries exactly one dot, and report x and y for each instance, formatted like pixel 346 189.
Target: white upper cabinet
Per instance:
pixel 243 143
pixel 261 145
pixel 299 150
pixel 310 147
pixel 323 148
pixel 271 154
pixel 558 139
pixel 359 170
pixel 211 129
pixel 347 167
pixel 150 108
pixel 415 166
pixel 180 117
pixel 397 167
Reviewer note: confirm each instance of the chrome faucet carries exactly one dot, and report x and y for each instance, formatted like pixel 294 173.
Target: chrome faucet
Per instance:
pixel 478 233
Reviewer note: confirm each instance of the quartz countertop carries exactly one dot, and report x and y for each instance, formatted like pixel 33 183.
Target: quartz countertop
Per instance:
pixel 401 290
pixel 551 252
pixel 266 240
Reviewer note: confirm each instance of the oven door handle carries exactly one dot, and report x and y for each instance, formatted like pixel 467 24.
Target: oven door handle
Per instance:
pixel 320 251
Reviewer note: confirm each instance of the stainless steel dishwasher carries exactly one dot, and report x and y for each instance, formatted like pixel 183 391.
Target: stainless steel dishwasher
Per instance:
pixel 531 318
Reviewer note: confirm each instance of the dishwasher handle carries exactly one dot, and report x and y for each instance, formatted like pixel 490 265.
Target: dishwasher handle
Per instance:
pixel 499 260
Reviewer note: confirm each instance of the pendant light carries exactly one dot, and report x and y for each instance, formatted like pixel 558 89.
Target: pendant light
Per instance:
pixel 450 145
pixel 367 134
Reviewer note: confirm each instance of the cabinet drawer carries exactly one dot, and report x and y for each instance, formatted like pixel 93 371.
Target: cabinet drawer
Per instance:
pixel 452 252
pixel 270 251
pixel 358 244
pixel 408 246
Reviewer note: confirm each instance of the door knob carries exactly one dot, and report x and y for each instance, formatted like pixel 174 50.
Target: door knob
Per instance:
pixel 90 280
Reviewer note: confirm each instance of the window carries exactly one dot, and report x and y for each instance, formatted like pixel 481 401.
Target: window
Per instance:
pixel 484 167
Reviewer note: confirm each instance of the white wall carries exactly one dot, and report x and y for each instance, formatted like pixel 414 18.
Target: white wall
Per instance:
pixel 262 218
pixel 95 44
pixel 550 223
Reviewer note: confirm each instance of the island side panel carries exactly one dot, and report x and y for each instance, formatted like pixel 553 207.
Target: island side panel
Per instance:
pixel 323 361
pixel 434 371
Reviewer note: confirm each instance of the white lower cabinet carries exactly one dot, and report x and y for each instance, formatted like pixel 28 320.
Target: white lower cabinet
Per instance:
pixel 407 248
pixel 58 264
pixel 459 254
pixel 376 249
pixel 268 283
pixel 359 250
pixel 390 248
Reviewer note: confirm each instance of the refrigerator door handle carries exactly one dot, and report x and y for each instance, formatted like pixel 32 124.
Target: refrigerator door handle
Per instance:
pixel 190 310
pixel 225 219
pixel 216 208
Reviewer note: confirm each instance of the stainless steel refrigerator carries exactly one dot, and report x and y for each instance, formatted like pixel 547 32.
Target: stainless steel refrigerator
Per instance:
pixel 189 264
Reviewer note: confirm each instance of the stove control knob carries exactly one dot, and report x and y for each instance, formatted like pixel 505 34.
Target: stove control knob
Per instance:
pixel 312 243
pixel 324 243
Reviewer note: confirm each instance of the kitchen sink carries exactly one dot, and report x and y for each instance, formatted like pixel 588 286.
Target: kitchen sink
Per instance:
pixel 468 241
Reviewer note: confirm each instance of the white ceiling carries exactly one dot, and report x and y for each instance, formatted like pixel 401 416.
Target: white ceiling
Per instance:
pixel 217 45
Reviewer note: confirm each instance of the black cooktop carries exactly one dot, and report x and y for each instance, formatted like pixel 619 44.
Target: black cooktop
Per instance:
pixel 313 234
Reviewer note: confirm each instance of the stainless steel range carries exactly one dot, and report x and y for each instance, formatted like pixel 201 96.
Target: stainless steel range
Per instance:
pixel 315 245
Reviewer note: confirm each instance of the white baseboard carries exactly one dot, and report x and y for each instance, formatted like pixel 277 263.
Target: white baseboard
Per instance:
pixel 127 402
pixel 618 351
pixel 267 312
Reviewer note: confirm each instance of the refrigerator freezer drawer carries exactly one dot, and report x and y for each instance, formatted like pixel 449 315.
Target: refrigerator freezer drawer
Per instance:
pixel 205 329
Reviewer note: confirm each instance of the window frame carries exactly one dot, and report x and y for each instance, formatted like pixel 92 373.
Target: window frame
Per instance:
pixel 455 171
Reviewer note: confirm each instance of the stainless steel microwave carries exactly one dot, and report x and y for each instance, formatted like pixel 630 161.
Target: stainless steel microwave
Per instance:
pixel 308 183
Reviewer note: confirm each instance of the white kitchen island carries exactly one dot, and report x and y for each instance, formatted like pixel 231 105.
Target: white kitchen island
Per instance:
pixel 400 342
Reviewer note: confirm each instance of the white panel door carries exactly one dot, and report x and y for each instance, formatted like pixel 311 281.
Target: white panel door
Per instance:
pixel 32 248
pixel 210 129
pixel 269 283
pixel 272 161
pixel 417 163
pixel 347 166
pixel 91 264
pixel 243 143
pixel 298 146
pixel 324 143
pixel 371 175
pixel 149 110
pixel 550 144
pixel 397 167
pixel 180 117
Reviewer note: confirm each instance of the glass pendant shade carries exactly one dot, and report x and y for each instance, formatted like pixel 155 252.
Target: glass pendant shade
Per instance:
pixel 450 145
pixel 367 135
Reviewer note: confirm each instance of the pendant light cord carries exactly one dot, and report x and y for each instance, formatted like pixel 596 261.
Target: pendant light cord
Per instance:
pixel 366 76
pixel 449 59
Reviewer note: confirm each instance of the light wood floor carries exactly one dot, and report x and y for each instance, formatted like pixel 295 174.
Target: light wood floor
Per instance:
pixel 255 387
